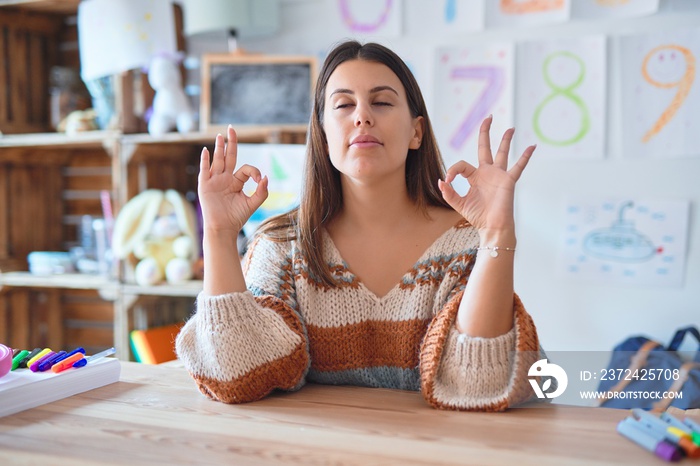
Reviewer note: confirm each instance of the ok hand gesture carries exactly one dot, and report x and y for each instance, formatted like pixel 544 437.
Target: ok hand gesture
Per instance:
pixel 488 205
pixel 225 207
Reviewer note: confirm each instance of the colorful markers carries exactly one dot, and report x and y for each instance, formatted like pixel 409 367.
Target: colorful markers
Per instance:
pixel 664 435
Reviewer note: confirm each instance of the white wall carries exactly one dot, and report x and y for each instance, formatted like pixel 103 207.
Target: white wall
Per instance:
pixel 570 316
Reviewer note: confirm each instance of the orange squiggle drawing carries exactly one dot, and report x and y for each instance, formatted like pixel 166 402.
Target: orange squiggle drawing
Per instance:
pixel 684 84
pixel 513 7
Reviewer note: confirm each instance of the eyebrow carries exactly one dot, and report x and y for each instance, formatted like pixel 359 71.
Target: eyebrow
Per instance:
pixel 374 90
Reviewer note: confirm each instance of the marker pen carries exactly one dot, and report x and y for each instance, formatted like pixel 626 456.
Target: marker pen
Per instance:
pixel 23 362
pixel 66 363
pixel 646 439
pixel 95 357
pixel 47 363
pixel 18 358
pixel 695 427
pixel 79 349
pixel 673 422
pixel 5 360
pixel 38 356
pixel 34 367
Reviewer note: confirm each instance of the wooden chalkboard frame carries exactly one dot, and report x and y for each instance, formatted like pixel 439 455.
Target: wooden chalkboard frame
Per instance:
pixel 233 61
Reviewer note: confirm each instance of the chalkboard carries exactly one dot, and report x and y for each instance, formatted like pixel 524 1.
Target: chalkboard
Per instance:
pixel 256 90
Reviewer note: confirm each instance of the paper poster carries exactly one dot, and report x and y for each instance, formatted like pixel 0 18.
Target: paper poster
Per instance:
pixel 283 164
pixel 514 13
pixel 471 83
pixel 370 17
pixel 443 17
pixel 120 36
pixel 626 241
pixel 601 9
pixel 561 97
pixel 660 90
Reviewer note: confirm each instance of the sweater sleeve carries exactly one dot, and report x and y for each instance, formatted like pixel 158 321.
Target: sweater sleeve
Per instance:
pixel 239 347
pixel 477 374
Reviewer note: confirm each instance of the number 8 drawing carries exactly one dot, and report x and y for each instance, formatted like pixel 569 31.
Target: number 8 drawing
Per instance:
pixel 684 84
pixel 567 93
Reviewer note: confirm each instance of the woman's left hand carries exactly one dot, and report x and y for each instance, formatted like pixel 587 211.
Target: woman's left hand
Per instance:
pixel 488 205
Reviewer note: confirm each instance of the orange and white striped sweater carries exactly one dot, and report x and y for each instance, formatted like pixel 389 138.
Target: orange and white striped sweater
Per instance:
pixel 289 329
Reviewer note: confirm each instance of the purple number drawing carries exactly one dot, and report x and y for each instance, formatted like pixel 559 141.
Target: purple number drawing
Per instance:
pixel 363 27
pixel 494 86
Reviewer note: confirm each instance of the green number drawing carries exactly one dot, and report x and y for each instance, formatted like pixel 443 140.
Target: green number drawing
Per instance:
pixel 566 92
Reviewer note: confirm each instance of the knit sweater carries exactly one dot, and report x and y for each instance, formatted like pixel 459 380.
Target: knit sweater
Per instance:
pixel 289 328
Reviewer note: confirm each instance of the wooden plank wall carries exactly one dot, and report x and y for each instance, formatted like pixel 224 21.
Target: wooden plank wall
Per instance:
pixel 28 49
pixel 43 195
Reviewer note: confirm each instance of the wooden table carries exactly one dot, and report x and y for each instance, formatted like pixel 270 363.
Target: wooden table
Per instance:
pixel 156 415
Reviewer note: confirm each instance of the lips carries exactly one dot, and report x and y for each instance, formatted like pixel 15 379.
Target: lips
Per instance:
pixel 364 140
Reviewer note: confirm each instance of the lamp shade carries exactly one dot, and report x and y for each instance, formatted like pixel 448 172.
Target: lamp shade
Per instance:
pixel 121 35
pixel 249 18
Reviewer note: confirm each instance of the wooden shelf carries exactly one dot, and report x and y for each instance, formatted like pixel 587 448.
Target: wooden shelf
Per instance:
pixel 190 288
pixel 64 7
pixel 69 280
pixel 88 139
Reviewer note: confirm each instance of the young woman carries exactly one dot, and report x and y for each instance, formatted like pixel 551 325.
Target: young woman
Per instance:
pixel 384 276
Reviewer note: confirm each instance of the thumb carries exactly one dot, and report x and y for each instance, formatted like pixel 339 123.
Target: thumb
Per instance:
pixel 451 196
pixel 260 194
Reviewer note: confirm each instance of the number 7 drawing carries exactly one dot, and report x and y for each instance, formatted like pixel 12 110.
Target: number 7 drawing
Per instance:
pixel 494 86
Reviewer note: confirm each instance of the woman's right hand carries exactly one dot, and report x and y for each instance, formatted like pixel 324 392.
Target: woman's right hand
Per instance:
pixel 225 207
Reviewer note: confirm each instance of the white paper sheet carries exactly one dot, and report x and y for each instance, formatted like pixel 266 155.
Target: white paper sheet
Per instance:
pixel 283 164
pixel 625 241
pixel 366 18
pixel 561 97
pixel 597 9
pixel 660 88
pixel 443 17
pixel 471 83
pixel 515 13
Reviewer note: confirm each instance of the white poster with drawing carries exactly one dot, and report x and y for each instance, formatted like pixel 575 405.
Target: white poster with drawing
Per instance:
pixel 471 83
pixel 625 241
pixel 443 17
pixel 368 18
pixel 561 97
pixel 660 90
pixel 283 164
pixel 515 13
pixel 601 9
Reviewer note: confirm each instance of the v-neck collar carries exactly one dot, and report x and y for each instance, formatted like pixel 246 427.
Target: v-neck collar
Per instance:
pixel 331 250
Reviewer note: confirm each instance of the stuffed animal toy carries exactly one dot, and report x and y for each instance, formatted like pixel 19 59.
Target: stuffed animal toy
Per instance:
pixel 171 108
pixel 158 229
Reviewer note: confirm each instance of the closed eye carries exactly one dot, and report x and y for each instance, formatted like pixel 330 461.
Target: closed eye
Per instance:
pixel 342 106
pixel 386 104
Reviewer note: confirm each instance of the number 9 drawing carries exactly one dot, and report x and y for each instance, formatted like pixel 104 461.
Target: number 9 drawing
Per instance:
pixel 684 83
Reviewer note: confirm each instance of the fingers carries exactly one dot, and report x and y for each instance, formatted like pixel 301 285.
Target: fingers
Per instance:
pixel 245 173
pixel 460 168
pixel 503 149
pixel 204 173
pixel 517 169
pixel 450 195
pixel 259 195
pixel 485 141
pixel 231 152
pixel 218 164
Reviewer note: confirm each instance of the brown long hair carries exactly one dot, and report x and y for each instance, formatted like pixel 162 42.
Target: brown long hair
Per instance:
pixel 322 196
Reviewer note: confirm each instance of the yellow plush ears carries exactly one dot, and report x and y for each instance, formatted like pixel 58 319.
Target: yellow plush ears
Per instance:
pixel 136 218
pixel 186 219
pixel 134 221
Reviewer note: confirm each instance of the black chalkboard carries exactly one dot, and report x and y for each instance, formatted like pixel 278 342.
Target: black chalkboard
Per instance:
pixel 256 91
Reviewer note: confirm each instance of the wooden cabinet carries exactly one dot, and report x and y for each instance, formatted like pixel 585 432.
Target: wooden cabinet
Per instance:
pixel 47 182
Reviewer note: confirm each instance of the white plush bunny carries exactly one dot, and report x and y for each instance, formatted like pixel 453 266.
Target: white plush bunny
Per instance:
pixel 158 228
pixel 171 109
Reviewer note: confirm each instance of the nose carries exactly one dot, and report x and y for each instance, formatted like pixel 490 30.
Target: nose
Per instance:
pixel 363 116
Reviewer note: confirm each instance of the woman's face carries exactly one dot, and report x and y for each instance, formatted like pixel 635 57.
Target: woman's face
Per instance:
pixel 367 121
